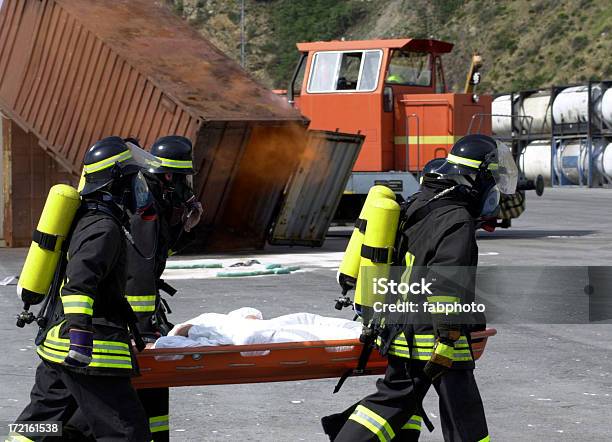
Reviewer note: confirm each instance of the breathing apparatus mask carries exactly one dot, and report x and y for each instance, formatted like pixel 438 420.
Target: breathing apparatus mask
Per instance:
pixel 177 196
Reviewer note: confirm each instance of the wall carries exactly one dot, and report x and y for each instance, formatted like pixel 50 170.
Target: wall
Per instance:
pixel 2 244
pixel 28 173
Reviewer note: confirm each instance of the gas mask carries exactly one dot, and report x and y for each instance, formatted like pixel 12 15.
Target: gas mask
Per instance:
pixel 490 202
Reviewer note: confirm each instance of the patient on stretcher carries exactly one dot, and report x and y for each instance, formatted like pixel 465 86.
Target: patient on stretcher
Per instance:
pixel 246 326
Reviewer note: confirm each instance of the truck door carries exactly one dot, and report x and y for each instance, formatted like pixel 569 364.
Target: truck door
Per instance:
pixel 314 190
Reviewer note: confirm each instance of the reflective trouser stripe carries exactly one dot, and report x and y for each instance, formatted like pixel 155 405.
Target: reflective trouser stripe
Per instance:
pixel 142 303
pixel 485 439
pixel 16 437
pixel 414 423
pixel 373 422
pixel 159 423
pixel 78 304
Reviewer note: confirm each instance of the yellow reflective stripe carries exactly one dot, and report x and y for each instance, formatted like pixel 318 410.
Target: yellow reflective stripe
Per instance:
pixel 414 423
pixel 142 303
pixel 421 354
pixel 16 437
pixel 159 423
pixel 77 304
pixel 424 341
pixel 427 139
pixel 111 362
pixel 485 439
pixel 178 164
pixel 455 159
pixel 366 423
pixel 445 299
pixel 107 162
pixel 143 309
pixel 108 361
pixel 99 345
pixel 400 353
pixel 475 164
pixel 462 355
pixel 373 422
pixel 51 355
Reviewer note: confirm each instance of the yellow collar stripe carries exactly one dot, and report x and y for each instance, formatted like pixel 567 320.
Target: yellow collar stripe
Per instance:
pixel 178 164
pixel 107 162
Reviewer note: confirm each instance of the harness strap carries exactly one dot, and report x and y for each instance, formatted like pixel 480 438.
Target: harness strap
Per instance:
pixel 44 240
pixel 378 255
pixel 364 357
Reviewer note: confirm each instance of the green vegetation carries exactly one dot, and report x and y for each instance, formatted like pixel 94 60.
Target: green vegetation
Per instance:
pixel 524 43
pixel 294 21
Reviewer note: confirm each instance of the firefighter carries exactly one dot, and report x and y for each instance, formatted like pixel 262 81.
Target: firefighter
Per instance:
pixel 86 351
pixel 436 241
pixel 155 233
pixel 177 211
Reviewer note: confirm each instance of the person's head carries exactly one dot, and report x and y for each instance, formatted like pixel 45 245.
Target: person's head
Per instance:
pixel 175 155
pixel 484 168
pixel 112 172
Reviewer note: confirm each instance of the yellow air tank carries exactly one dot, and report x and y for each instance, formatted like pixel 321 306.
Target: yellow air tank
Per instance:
pixel 53 227
pixel 349 267
pixel 376 251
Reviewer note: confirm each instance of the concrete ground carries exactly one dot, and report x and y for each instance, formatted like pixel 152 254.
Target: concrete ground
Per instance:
pixel 539 382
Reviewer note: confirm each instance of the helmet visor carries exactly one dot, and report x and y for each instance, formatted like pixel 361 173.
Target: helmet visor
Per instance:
pixel 140 158
pixel 504 170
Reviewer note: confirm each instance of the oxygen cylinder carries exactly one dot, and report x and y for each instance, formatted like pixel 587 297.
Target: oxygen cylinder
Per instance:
pixel 53 227
pixel 376 251
pixel 349 267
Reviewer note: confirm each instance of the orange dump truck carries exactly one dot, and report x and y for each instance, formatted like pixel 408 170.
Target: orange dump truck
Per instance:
pixel 394 93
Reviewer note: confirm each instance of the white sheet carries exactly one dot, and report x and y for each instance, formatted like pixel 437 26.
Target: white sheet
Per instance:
pixel 236 328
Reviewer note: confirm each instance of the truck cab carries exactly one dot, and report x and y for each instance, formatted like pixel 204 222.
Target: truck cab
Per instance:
pixel 392 91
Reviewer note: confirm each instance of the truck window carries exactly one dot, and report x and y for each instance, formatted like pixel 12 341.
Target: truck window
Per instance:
pixel 351 71
pixel 409 68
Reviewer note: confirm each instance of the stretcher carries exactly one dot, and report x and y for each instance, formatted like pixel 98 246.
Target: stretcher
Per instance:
pixel 243 364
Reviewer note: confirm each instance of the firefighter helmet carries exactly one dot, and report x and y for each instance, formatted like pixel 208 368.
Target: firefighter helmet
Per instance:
pixel 111 159
pixel 175 154
pixel 483 158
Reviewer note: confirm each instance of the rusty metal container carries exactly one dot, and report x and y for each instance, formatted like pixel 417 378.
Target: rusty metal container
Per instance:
pixel 74 71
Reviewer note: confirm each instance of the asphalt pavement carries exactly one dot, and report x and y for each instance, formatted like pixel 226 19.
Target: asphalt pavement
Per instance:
pixel 540 380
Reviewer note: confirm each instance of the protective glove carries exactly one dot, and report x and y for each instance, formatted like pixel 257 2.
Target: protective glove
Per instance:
pixel 193 214
pixel 441 359
pixel 81 347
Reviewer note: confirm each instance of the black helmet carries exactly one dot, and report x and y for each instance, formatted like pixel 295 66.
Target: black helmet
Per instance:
pixel 175 154
pixel 432 165
pixel 483 158
pixel 110 159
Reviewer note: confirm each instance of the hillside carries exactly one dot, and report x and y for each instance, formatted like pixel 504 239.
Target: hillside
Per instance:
pixel 525 44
